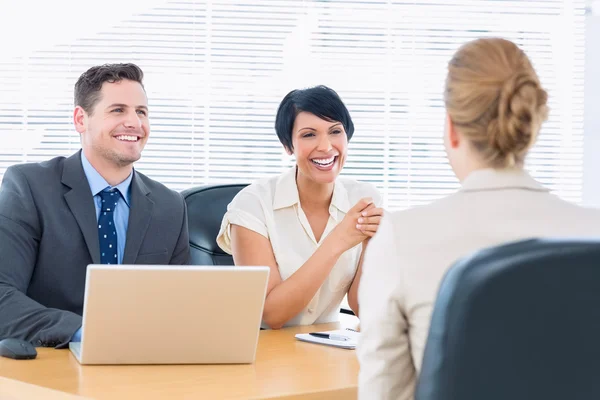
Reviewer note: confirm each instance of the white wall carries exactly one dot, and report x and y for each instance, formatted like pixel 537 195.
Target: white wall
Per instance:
pixel 591 188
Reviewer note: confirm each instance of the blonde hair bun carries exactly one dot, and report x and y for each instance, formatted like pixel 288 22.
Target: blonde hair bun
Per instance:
pixel 494 98
pixel 521 111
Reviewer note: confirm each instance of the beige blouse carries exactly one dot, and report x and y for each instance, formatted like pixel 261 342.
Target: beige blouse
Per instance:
pixel 271 207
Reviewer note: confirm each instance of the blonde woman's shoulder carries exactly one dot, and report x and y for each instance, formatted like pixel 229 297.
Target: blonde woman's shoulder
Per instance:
pixel 583 220
pixel 421 218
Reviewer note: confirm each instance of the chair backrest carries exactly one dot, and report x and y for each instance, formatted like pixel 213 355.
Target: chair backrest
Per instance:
pixel 518 321
pixel 206 206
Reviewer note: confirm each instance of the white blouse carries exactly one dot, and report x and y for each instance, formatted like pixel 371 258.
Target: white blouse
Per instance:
pixel 271 207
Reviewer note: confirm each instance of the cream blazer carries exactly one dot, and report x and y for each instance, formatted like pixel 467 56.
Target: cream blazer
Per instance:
pixel 413 249
pixel 271 207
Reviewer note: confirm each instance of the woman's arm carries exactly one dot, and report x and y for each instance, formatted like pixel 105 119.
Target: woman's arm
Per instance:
pixel 285 299
pixel 387 370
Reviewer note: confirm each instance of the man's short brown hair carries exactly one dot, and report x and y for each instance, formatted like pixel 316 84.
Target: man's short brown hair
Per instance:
pixel 89 84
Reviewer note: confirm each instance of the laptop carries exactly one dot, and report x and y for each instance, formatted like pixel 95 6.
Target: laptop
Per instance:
pixel 149 314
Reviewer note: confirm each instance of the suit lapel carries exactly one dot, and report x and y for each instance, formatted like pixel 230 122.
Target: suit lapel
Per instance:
pixel 81 203
pixel 140 215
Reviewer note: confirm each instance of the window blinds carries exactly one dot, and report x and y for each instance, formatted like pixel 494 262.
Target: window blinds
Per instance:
pixel 215 72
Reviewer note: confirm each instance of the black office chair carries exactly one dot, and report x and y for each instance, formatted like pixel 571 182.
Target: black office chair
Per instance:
pixel 206 206
pixel 519 321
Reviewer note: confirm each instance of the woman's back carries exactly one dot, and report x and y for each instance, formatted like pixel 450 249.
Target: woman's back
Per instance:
pixel 414 249
pixel 492 207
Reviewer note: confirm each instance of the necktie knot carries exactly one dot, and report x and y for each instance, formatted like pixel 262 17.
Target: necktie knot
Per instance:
pixel 109 201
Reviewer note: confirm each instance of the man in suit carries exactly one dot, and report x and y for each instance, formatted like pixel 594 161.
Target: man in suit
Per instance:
pixel 58 216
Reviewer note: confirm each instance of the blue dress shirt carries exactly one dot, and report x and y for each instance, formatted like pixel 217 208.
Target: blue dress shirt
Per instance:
pixel 121 216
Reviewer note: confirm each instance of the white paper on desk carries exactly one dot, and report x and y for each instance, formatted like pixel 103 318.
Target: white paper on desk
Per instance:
pixel 344 344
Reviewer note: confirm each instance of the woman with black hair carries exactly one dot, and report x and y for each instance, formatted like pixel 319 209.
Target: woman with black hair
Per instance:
pixel 309 225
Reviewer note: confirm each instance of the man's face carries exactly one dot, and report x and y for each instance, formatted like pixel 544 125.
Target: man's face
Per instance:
pixel 117 128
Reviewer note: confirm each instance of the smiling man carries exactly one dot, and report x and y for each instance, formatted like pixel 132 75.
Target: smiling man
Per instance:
pixel 59 216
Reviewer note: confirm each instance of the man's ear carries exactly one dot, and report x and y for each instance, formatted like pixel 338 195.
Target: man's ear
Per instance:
pixel 80 119
pixel 453 136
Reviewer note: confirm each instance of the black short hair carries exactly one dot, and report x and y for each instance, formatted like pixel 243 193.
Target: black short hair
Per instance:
pixel 320 101
pixel 89 84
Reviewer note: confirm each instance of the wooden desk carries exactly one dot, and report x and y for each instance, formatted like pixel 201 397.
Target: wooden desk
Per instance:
pixel 285 368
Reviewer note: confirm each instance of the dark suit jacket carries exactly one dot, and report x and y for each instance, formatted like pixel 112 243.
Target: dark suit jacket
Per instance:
pixel 49 235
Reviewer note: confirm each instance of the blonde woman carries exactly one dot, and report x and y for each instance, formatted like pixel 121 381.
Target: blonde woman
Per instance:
pixel 495 106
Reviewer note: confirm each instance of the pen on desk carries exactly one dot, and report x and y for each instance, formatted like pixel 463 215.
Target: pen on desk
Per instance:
pixel 329 336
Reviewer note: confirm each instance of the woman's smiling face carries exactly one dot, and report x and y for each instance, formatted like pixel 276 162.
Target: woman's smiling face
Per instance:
pixel 320 147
